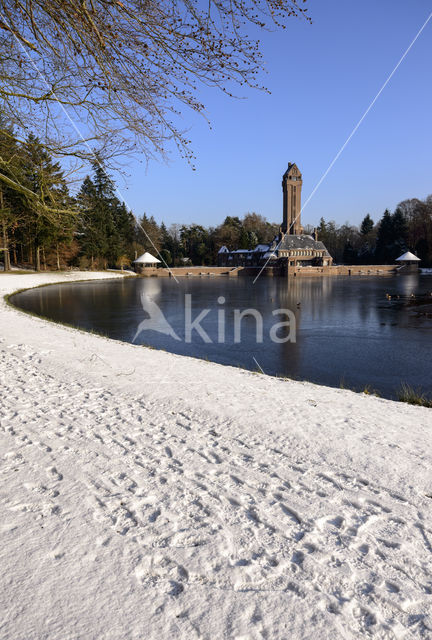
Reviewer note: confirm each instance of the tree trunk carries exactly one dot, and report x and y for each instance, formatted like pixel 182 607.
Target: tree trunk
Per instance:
pixel 44 259
pixel 38 264
pixel 6 249
pixel 58 257
pixel 6 255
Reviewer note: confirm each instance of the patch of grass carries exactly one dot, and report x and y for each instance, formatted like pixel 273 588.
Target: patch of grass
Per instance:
pixel 369 391
pixel 412 396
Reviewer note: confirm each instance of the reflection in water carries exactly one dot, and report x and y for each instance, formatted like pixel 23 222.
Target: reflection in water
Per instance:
pixel 346 328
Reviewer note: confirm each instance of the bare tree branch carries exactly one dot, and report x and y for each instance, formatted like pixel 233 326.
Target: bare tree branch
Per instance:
pixel 125 70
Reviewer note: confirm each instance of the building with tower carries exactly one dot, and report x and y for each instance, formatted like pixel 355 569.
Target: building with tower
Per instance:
pixel 296 249
pixel 291 187
pixel 291 248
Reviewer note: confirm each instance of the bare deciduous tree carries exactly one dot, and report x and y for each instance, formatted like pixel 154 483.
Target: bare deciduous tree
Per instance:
pixel 120 71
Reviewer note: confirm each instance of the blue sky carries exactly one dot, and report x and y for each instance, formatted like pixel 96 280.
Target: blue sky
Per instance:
pixel 322 78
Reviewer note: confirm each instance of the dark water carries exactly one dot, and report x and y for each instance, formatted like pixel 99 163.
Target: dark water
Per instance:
pixel 346 330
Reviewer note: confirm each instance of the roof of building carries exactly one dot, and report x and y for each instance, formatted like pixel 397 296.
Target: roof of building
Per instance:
pixel 291 166
pixel 408 256
pixel 301 242
pixel 147 258
pixel 262 247
pixel 270 255
pixel 223 249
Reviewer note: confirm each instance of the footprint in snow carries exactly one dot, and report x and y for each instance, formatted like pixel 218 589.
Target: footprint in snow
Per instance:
pixel 52 471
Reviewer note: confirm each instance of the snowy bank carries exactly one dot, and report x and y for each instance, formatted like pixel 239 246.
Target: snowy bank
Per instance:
pixel 201 501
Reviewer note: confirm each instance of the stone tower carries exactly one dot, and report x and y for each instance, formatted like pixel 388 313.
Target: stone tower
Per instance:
pixel 291 187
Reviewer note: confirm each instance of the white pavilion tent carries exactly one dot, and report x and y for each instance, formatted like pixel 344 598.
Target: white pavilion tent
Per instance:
pixel 408 257
pixel 147 260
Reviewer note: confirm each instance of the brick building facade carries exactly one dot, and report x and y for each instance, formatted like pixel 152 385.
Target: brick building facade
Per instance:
pixel 291 247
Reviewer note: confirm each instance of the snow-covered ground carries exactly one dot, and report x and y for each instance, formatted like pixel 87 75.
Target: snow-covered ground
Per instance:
pixel 150 496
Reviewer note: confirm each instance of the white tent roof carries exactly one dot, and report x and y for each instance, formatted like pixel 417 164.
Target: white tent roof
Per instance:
pixel 407 256
pixel 223 249
pixel 147 258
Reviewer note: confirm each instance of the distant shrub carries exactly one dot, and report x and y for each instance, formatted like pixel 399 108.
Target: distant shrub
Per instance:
pixel 84 263
pixel 123 262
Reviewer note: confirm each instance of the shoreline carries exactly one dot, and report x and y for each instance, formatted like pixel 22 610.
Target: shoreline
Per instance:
pixel 194 493
pixel 404 392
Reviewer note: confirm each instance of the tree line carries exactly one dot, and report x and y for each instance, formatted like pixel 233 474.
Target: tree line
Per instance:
pixel 127 70
pixel 44 226
pixel 408 228
pixel 103 80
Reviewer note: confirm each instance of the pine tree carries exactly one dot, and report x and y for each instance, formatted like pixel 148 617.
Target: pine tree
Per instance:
pixel 49 213
pixel 384 238
pixel 195 241
pixel 148 235
pixel 244 239
pixel 106 226
pixel 322 227
pixel 12 194
pixel 367 225
pixel 123 234
pixel 253 239
pixel 92 231
pixel 349 254
pixel 400 234
pixel 392 236
pixel 169 246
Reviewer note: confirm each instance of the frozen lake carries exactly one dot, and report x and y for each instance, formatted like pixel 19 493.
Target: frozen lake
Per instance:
pixel 346 331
